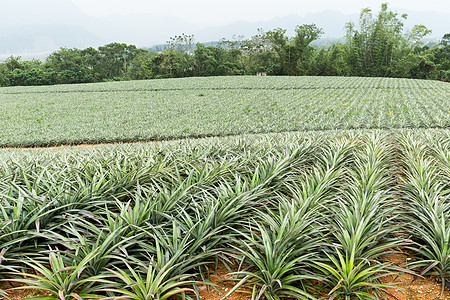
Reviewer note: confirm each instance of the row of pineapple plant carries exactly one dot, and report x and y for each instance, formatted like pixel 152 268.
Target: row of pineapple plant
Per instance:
pixel 300 216
pixel 426 193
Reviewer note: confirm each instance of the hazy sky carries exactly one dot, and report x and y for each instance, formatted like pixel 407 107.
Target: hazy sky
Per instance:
pixel 212 12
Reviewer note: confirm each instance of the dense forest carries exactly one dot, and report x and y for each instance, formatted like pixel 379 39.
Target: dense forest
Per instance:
pixel 378 45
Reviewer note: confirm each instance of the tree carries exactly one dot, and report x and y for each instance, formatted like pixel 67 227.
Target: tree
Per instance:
pixel 379 42
pixel 115 59
pixel 213 61
pixel 4 80
pixel 92 61
pixel 279 43
pixel 171 63
pixel 141 67
pixel 12 63
pixel 249 56
pixel 305 34
pixel 445 40
pixel 441 57
pixel 69 66
pixel 338 65
pixel 414 38
pixel 372 45
pixel 294 53
pixel 182 43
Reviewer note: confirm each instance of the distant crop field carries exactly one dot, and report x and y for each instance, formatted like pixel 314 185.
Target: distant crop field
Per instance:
pixel 215 106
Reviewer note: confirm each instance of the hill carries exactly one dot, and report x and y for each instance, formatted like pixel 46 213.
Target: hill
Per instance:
pixel 47 25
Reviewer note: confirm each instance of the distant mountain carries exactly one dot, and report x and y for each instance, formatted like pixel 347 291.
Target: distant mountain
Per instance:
pixel 45 38
pixel 30 26
pixel 331 21
pixel 140 29
pixel 26 12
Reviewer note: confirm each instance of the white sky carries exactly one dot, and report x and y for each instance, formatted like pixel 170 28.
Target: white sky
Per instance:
pixel 212 12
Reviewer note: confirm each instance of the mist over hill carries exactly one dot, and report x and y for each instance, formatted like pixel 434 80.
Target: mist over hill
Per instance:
pixel 28 27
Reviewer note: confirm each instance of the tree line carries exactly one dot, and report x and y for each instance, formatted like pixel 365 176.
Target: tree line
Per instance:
pixel 378 45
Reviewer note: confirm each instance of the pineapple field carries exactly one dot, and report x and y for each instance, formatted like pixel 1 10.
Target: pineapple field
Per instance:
pixel 234 188
pixel 215 106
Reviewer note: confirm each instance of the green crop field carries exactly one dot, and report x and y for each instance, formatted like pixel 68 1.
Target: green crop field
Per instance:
pixel 283 211
pixel 299 188
pixel 220 106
